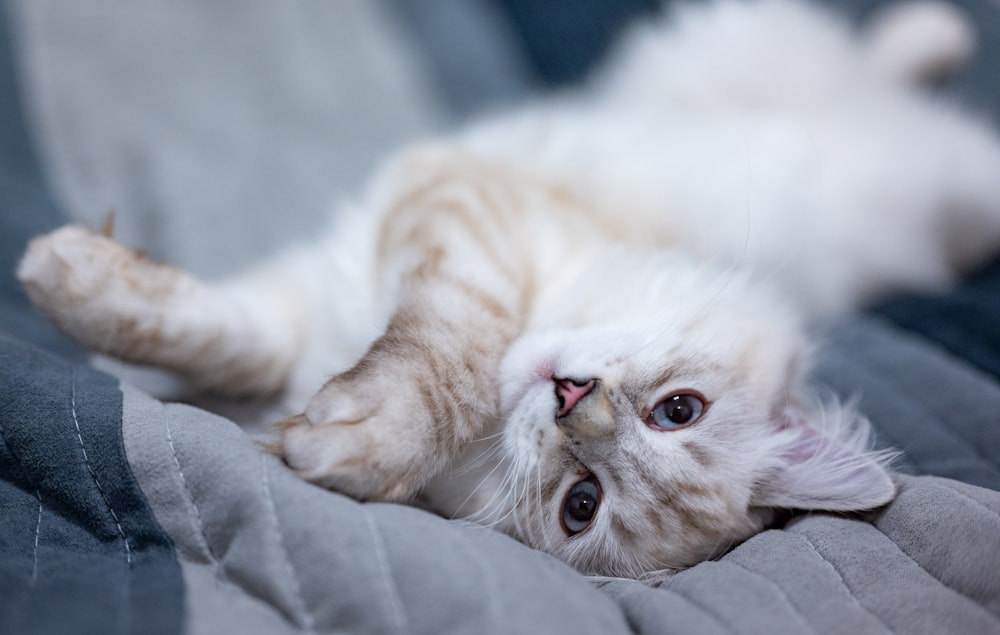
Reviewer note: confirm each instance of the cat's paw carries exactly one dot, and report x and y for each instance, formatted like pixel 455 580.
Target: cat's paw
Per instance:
pixel 369 438
pixel 93 288
pixel 67 265
pixel 76 263
pixel 921 40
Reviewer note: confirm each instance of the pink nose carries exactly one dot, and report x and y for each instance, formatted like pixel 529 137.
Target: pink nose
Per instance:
pixel 570 392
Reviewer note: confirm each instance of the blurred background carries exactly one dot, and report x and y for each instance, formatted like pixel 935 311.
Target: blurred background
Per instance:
pixel 219 131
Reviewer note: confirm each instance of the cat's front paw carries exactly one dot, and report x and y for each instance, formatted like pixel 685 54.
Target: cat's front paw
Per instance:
pixel 89 285
pixel 71 264
pixel 369 438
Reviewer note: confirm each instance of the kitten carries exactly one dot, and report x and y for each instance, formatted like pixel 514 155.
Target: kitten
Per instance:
pixel 582 323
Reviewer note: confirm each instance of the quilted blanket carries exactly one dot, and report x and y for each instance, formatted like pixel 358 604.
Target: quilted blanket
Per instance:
pixel 123 514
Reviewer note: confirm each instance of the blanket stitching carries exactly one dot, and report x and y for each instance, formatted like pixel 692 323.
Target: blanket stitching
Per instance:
pixel 308 623
pixel 90 468
pixel 126 587
pixel 674 587
pixel 38 532
pixel 38 495
pixel 402 623
pixel 843 582
pixel 216 563
pixel 931 575
pixel 934 417
pixel 781 592
pixel 488 579
pixel 972 500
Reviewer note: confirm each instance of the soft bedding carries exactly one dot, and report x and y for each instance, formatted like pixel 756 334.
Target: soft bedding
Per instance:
pixel 123 514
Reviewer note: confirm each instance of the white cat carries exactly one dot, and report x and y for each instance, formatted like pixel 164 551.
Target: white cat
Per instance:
pixel 582 323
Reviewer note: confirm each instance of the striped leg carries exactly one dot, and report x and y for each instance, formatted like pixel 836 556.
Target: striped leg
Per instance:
pixel 233 339
pixel 428 385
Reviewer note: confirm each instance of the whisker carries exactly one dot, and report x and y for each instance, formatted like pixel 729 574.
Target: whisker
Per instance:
pixel 488 508
pixel 482 482
pixel 489 453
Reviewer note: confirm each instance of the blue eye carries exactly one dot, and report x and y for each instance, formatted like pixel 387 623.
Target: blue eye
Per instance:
pixel 676 411
pixel 580 505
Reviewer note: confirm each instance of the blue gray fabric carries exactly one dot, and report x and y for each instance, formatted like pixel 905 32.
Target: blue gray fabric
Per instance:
pixel 80 550
pixel 963 321
pixel 564 40
pixel 940 411
pixel 492 69
pixel 26 208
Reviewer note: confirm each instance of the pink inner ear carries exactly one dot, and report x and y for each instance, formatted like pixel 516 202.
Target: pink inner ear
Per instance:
pixel 819 472
pixel 809 445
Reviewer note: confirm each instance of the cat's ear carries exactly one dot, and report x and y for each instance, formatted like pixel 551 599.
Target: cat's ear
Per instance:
pixel 818 471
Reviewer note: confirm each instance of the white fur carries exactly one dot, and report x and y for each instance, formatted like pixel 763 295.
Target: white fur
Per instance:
pixel 921 39
pixel 731 172
pixel 761 134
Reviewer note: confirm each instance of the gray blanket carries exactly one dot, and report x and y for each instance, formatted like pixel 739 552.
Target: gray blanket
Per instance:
pixel 926 564
pixel 125 514
pixel 264 552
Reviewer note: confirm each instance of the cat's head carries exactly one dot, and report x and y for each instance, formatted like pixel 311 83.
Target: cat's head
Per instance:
pixel 659 417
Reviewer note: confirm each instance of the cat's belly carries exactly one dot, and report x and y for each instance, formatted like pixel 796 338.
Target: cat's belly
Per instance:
pixel 833 206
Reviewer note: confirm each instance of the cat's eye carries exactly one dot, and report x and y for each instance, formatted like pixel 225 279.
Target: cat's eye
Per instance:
pixel 580 505
pixel 676 411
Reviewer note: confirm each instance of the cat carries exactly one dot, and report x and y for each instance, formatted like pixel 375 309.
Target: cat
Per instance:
pixel 588 323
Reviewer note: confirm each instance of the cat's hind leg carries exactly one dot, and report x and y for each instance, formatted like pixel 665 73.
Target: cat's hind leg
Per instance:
pixel 920 40
pixel 235 338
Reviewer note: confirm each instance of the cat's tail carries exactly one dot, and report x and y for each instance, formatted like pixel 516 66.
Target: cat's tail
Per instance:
pixel 236 338
pixel 921 40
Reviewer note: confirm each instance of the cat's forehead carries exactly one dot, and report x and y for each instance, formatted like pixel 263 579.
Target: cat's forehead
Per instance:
pixel 649 315
pixel 722 349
